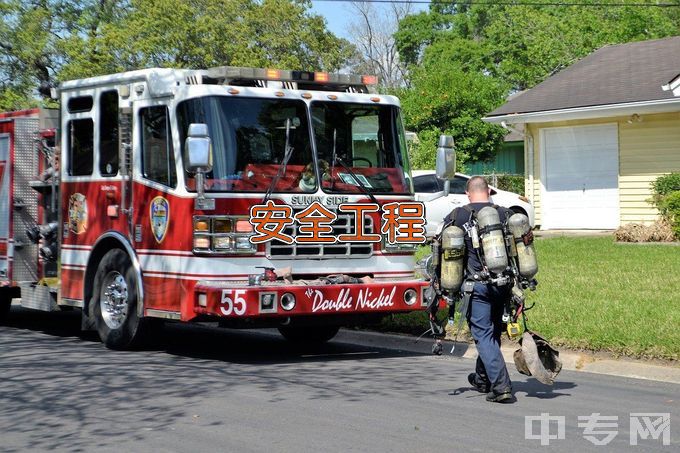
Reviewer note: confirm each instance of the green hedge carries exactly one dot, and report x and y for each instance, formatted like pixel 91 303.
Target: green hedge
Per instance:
pixel 670 209
pixel 666 198
pixel 664 185
pixel 511 183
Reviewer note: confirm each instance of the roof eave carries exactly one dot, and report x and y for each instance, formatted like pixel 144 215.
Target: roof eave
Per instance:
pixel 595 111
pixel 673 85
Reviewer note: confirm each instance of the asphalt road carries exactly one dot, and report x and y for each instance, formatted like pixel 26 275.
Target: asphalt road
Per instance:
pixel 217 390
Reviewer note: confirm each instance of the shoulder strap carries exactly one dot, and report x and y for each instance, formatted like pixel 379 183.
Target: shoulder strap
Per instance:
pixel 504 216
pixel 448 220
pixel 470 210
pixel 451 217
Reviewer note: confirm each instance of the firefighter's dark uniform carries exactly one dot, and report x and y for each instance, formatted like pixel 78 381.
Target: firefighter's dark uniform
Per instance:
pixel 485 311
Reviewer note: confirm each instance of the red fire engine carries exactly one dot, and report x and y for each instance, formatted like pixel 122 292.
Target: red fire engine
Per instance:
pixel 133 202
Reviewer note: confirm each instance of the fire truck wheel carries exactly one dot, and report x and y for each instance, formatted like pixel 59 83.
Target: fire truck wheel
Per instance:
pixel 6 295
pixel 114 302
pixel 4 309
pixel 309 334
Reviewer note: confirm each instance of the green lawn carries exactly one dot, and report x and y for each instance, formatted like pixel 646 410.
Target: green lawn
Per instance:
pixel 599 295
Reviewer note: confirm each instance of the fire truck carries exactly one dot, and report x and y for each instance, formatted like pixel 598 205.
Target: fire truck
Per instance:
pixel 132 202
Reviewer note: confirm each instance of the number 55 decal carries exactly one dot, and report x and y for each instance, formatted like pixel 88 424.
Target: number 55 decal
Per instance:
pixel 236 305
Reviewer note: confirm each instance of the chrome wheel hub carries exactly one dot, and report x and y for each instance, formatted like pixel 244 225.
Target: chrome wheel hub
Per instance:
pixel 113 299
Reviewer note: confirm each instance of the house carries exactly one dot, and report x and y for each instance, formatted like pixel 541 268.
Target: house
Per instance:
pixel 598 133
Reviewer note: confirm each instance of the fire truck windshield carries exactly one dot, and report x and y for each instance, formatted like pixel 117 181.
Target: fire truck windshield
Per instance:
pixel 249 140
pixel 360 148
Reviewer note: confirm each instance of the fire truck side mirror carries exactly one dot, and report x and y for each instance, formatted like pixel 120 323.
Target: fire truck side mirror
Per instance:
pixel 198 148
pixel 446 158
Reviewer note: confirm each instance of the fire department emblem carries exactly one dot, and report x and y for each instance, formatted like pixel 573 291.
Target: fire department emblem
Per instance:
pixel 160 216
pixel 77 213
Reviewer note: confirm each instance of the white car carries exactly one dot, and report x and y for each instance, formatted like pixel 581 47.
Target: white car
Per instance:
pixel 430 190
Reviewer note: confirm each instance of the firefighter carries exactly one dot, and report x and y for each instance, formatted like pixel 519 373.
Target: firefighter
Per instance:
pixel 485 299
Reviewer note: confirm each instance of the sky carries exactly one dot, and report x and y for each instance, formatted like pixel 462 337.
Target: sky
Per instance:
pixel 339 14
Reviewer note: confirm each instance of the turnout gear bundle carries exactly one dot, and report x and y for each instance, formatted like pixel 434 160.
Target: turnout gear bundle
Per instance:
pixel 505 249
pixel 537 358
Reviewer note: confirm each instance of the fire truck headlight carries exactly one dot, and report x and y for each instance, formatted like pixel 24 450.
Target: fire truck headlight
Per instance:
pixel 222 235
pixel 201 243
pixel 222 226
pixel 202 225
pixel 244 226
pixel 243 244
pixel 288 301
pixel 410 296
pixel 223 242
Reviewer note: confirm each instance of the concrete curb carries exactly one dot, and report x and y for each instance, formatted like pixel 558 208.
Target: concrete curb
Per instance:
pixel 591 363
pixel 583 361
pixel 571 360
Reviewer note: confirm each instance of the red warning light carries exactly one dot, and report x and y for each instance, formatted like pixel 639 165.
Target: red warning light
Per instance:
pixel 369 80
pixel 321 77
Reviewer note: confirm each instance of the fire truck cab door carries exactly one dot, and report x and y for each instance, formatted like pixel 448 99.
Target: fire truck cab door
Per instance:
pixel 156 174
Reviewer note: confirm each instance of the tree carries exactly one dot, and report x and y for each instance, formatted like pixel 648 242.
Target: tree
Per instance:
pixel 43 42
pixel 372 34
pixel 524 45
pixel 451 100
pixel 494 50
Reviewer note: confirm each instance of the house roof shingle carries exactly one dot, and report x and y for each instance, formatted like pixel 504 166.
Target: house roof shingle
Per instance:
pixel 632 72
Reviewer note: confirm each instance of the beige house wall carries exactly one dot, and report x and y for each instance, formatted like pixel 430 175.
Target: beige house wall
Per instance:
pixel 648 148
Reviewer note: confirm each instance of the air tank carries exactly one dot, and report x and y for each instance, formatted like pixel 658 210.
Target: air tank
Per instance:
pixel 526 254
pixel 493 241
pixel 453 254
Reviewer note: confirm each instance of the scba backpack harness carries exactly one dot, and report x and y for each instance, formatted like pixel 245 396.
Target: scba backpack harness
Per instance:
pixel 504 249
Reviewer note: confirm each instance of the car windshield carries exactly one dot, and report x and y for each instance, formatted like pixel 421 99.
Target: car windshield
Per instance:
pixel 360 145
pixel 249 140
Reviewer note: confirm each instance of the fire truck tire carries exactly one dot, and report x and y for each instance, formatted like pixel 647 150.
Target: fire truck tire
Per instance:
pixel 309 334
pixel 6 295
pixel 114 302
pixel 4 309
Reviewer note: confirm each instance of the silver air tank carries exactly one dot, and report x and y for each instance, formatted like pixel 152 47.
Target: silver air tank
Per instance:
pixel 493 242
pixel 526 255
pixel 453 252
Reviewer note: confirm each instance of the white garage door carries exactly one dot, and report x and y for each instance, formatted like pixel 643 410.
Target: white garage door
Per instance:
pixel 580 183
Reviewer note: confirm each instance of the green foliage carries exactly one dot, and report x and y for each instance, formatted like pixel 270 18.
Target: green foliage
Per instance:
pixel 666 197
pixel 417 31
pixel 664 185
pixel 523 45
pixel 422 154
pixel 452 101
pixel 670 208
pixel 48 41
pixel 511 183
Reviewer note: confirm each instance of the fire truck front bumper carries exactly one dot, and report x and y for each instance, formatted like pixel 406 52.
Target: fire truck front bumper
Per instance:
pixel 278 299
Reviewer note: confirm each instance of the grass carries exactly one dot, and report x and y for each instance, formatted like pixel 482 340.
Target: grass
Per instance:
pixel 596 294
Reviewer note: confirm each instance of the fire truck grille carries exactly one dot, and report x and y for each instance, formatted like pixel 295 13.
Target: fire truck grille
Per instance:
pixel 344 224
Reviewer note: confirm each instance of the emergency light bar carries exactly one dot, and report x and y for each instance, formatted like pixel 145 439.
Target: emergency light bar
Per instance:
pixel 233 75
